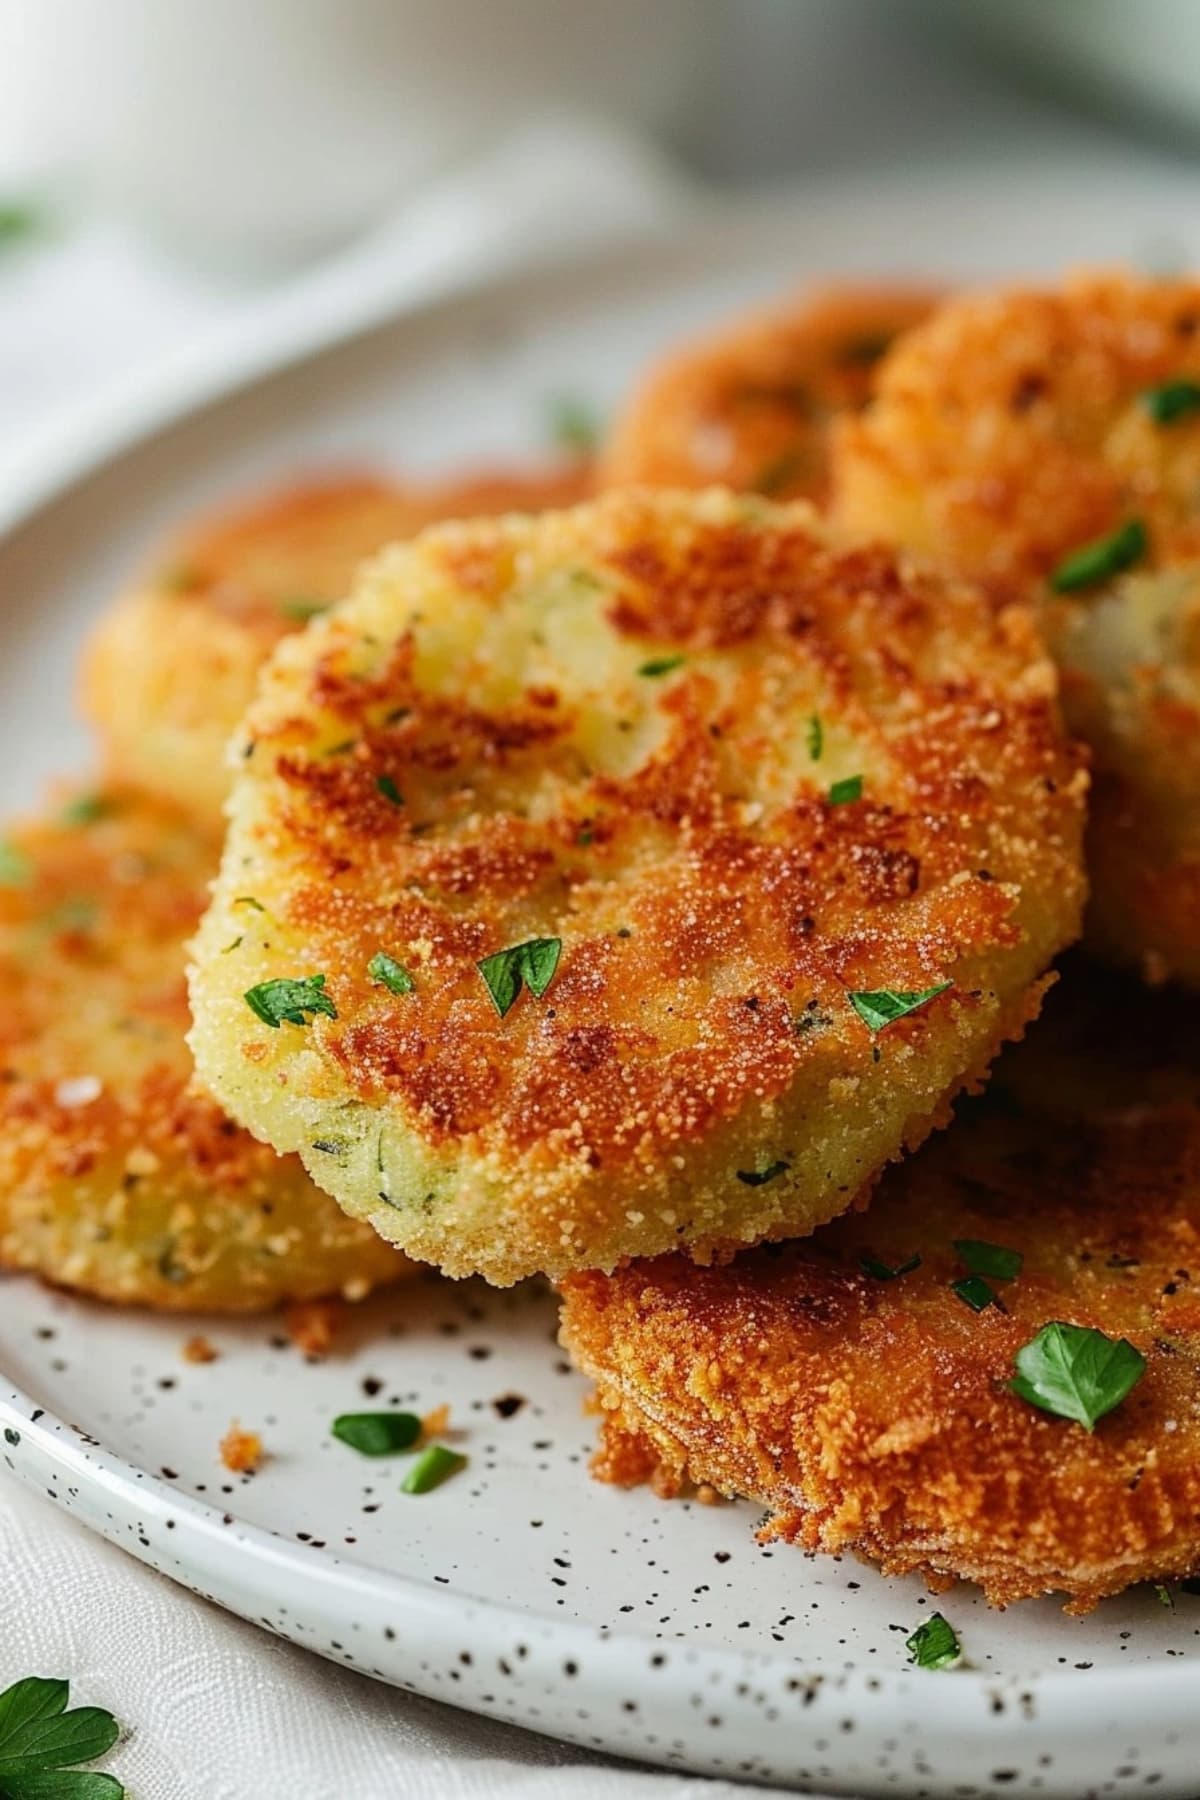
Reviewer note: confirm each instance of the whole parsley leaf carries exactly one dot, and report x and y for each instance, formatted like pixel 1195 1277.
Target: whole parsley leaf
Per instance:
pixel 40 1740
pixel 879 1007
pixel 934 1644
pixel 1076 1372
pixel 531 964
pixel 284 1000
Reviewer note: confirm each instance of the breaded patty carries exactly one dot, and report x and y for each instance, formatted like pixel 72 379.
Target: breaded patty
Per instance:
pixel 1010 431
pixel 751 405
pixel 115 1178
pixel 864 1401
pixel 172 666
pixel 577 863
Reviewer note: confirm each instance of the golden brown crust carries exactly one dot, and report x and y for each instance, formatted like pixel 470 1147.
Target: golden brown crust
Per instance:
pixel 714 903
pixel 1011 429
pixel 751 405
pixel 172 666
pixel 116 1177
pixel 876 1415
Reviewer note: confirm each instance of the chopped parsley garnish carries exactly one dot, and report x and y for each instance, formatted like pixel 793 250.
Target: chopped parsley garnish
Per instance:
pixel 1076 1372
pixel 390 974
pixel 573 424
pixel 85 809
pixel 1103 557
pixel 993 1260
pixel 661 665
pixel 849 788
pixel 40 1742
pixel 934 1644
pixel 378 1433
pixel 290 1001
pixel 816 737
pixel 300 608
pixel 881 1271
pixel 1173 400
pixel 251 902
pixel 15 866
pixel 389 790
pixel 975 1292
pixel 1165 1596
pixel 883 1006
pixel 431 1468
pixel 530 965
pixel 19 222
pixel 760 1177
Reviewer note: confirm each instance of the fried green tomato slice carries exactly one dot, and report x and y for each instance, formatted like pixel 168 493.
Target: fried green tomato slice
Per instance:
pixel 1049 443
pixel 848 1385
pixel 116 1177
pixel 562 854
pixel 172 666
pixel 751 406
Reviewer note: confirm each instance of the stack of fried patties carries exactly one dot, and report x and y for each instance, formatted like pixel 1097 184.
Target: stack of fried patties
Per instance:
pixel 626 894
pixel 118 1177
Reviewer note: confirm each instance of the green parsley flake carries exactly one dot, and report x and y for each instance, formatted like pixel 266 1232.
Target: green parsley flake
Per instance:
pixel 881 1271
pixel 1076 1372
pixel 85 809
pixel 574 425
pixel 881 1007
pixel 992 1260
pixel 1165 1596
pixel 531 964
pixel 975 1292
pixel 816 737
pixel 300 608
pixel 288 1001
pixel 40 1740
pixel 934 1644
pixel 431 1468
pixel 19 222
pixel 378 1433
pixel 661 665
pixel 842 792
pixel 251 902
pixel 15 867
pixel 1173 400
pixel 1103 557
pixel 388 973
pixel 389 790
pixel 760 1177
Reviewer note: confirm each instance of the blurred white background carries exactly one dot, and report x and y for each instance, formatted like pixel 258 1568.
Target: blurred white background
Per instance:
pixel 166 163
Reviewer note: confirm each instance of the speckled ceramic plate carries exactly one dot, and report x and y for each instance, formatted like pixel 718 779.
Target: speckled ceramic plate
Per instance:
pixel 521 1588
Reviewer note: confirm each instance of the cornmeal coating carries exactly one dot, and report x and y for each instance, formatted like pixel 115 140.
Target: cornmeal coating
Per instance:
pixel 117 1178
pixel 704 774
pixel 1014 428
pixel 172 666
pixel 752 404
pixel 875 1415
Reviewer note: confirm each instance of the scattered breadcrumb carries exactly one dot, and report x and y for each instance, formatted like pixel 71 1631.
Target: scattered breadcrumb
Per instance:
pixel 241 1451
pixel 437 1422
pixel 312 1325
pixel 198 1349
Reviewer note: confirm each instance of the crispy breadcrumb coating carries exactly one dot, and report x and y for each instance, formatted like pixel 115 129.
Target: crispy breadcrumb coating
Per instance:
pixel 750 406
pixel 736 773
pixel 172 666
pixel 876 1415
pixel 1007 432
pixel 116 1177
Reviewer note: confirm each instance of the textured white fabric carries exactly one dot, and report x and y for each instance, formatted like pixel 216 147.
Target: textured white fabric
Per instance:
pixel 218 1710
